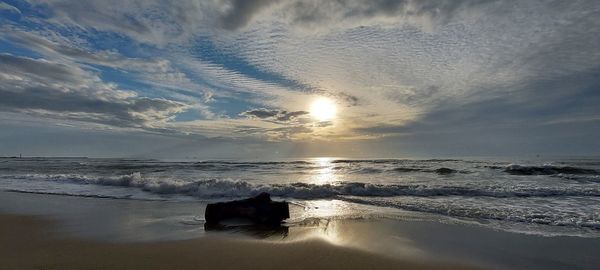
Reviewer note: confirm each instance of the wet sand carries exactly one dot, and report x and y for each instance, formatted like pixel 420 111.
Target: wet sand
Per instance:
pixel 27 243
pixel 39 231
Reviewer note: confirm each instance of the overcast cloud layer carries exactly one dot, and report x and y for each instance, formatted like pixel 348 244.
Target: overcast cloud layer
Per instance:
pixel 233 78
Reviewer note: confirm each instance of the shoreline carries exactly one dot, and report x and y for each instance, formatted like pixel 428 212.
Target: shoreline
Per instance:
pixel 50 229
pixel 26 243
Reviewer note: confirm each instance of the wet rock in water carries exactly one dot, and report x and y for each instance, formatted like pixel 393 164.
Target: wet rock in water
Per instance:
pixel 445 171
pixel 260 210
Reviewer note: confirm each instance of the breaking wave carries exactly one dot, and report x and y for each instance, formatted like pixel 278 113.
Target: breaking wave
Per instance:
pixel 571 218
pixel 217 188
pixel 562 193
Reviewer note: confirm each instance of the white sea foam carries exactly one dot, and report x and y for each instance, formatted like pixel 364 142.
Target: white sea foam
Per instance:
pixel 214 188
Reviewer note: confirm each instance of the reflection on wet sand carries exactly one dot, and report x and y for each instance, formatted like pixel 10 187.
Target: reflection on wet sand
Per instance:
pixel 375 236
pixel 380 236
pixel 253 230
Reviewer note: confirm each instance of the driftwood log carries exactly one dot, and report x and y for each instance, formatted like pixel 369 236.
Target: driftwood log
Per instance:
pixel 260 210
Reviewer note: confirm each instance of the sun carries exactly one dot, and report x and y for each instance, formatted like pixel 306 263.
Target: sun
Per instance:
pixel 323 109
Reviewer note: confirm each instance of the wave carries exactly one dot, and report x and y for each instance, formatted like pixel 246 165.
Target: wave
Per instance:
pixel 205 165
pixel 124 197
pixel 254 162
pixel 366 161
pixel 404 169
pixel 357 170
pixel 546 170
pixel 582 178
pixel 440 171
pixel 218 188
pixel 371 170
pixel 512 214
pixel 444 171
pixel 393 160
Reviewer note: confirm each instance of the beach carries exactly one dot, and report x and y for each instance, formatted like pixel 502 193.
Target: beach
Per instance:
pixel 40 231
pixel 289 134
pixel 65 239
pixel 25 244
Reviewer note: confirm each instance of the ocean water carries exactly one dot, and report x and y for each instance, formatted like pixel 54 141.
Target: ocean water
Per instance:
pixel 544 197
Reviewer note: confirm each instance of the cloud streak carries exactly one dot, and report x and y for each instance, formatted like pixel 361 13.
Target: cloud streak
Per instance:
pixel 49 89
pixel 274 115
pixel 351 13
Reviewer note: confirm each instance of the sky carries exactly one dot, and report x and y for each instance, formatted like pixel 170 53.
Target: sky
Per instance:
pixel 240 79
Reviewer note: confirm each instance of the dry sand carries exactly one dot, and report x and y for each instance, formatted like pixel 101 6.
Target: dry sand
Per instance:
pixel 26 242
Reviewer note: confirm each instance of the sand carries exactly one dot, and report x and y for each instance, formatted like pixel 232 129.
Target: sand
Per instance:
pixel 39 231
pixel 26 242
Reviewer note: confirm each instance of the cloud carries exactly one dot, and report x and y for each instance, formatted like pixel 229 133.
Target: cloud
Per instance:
pixel 245 128
pixel 154 70
pixel 145 21
pixel 295 132
pixel 261 113
pixel 5 6
pixel 19 68
pixel 49 89
pixel 240 12
pixel 315 14
pixel 274 115
pixel 382 129
pixel 151 21
pixel 393 67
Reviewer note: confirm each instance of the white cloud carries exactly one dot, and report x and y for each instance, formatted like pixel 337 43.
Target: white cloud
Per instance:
pixel 386 63
pixel 50 89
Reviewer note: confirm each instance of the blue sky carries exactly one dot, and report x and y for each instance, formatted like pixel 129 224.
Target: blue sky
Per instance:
pixel 236 79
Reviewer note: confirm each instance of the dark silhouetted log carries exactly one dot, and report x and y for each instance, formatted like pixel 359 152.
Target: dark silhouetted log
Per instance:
pixel 260 210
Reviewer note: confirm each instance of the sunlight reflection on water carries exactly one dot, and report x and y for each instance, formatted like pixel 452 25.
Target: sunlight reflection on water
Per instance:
pixel 325 173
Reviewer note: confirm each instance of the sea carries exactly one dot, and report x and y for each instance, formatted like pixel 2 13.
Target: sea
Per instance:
pixel 549 197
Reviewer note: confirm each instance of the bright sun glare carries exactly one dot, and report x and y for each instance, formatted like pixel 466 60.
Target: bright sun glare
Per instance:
pixel 323 109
